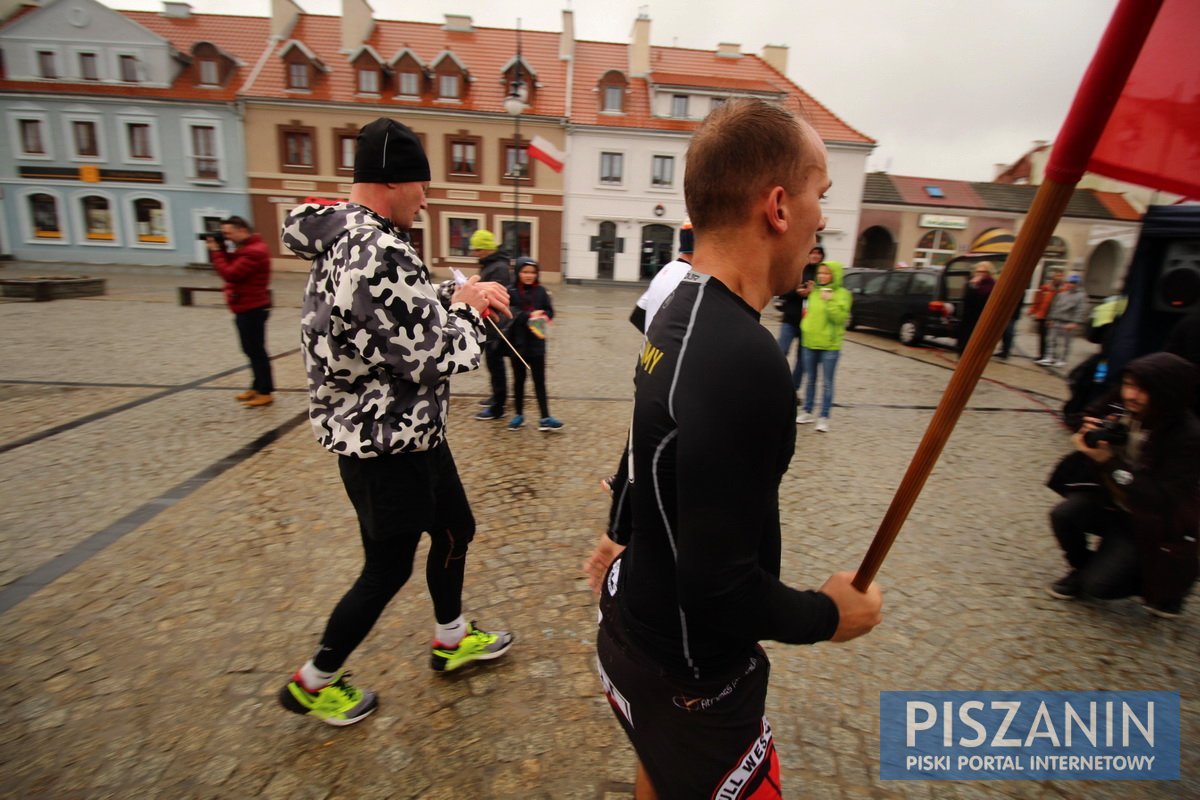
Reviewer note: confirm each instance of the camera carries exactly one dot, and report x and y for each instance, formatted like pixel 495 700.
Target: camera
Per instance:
pixel 216 235
pixel 1113 431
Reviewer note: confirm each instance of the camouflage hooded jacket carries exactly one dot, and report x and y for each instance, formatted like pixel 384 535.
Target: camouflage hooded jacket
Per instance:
pixel 380 340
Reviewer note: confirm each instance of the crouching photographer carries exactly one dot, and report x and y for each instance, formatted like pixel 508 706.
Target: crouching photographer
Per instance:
pixel 1134 483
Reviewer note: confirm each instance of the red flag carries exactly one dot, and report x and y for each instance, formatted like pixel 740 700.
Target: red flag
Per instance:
pixel 1153 136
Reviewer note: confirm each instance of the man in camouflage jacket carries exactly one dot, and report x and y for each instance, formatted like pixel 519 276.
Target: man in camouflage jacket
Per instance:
pixel 380 344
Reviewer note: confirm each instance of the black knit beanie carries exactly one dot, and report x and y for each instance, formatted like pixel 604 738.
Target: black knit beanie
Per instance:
pixel 389 152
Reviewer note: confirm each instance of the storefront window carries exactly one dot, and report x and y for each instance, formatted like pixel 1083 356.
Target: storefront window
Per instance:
pixel 43 210
pixel 935 249
pixel 97 219
pixel 150 220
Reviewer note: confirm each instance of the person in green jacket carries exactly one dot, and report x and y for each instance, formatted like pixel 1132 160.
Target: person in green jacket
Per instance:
pixel 821 330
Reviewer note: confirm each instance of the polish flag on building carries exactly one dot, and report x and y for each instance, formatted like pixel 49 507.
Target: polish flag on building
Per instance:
pixel 548 154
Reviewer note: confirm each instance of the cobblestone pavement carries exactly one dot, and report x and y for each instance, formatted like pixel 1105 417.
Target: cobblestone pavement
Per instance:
pixel 191 549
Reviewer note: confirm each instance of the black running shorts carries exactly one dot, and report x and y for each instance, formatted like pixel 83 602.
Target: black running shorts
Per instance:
pixel 696 739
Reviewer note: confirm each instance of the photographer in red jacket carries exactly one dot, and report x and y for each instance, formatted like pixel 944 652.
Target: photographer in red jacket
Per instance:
pixel 247 275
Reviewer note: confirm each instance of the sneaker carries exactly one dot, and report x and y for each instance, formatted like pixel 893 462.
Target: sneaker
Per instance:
pixel 803 418
pixel 258 401
pixel 607 483
pixel 242 397
pixel 822 425
pixel 1060 363
pixel 338 704
pixel 1045 362
pixel 489 414
pixel 477 645
pixel 1170 610
pixel 1067 587
pixel 549 424
pixel 516 422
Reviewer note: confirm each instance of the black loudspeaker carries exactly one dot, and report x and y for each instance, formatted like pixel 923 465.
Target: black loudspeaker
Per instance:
pixel 1163 284
pixel 1178 286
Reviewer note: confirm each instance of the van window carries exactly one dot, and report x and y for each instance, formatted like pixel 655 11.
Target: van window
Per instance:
pixel 923 285
pixel 874 284
pixel 896 283
pixel 853 283
pixel 955 283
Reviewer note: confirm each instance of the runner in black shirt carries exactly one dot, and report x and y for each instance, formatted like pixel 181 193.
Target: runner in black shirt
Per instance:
pixel 684 607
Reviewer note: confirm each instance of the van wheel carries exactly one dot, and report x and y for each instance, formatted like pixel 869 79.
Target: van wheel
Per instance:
pixel 851 322
pixel 910 332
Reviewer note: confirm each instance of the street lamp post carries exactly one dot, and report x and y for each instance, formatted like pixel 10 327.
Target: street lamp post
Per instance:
pixel 514 104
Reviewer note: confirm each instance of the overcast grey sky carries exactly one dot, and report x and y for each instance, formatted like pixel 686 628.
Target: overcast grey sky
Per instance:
pixel 946 87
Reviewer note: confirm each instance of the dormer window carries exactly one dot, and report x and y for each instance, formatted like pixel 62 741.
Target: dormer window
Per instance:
pixel 612 92
pixel 297 76
pixel 368 81
pixel 129 69
pixel 452 77
pixel 409 84
pixel 301 66
pixel 679 106
pixel 47 64
pixel 209 73
pixel 520 73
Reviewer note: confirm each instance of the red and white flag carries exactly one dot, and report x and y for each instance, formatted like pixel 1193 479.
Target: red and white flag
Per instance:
pixel 547 153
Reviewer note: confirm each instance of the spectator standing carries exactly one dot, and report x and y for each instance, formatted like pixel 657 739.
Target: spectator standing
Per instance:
pixel 792 306
pixel 247 275
pixel 1040 309
pixel 493 267
pixel 975 297
pixel 1067 312
pixel 532 311
pixel 822 331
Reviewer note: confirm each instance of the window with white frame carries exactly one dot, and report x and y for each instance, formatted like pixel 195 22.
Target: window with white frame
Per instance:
pixel 88 68
pixel 368 81
pixel 139 138
pixel 612 168
pixel 613 97
pixel 44 217
pixel 33 137
pixel 679 106
pixel 97 216
pixel 150 221
pixel 128 68
pixel 410 84
pixel 205 156
pixel 517 239
pixel 448 87
pixel 662 173
pixel 47 64
pixel 209 74
pixel 85 138
pixel 458 234
pixel 298 75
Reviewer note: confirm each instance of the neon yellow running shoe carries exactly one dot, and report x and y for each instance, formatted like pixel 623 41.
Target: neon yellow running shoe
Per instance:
pixel 477 645
pixel 339 703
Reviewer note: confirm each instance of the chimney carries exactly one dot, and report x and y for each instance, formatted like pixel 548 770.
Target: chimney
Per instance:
pixel 284 14
pixel 639 48
pixel 458 22
pixel 357 24
pixel 176 9
pixel 566 42
pixel 776 56
pixel 727 50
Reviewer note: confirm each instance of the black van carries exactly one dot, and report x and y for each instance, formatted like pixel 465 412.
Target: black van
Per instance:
pixel 913 303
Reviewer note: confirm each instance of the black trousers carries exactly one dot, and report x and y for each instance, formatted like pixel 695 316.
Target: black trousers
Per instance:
pixel 537 366
pixel 493 356
pixel 1113 569
pixel 1043 329
pixel 397 497
pixel 252 331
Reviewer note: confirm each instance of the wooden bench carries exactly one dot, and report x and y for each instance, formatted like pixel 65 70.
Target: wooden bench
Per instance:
pixel 185 293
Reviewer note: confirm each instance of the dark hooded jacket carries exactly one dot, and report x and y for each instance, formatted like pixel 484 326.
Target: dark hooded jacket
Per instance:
pixel 1164 496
